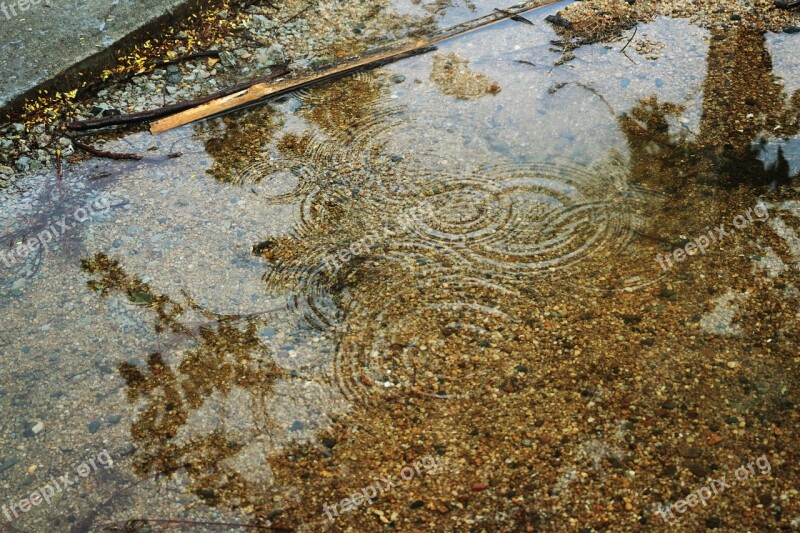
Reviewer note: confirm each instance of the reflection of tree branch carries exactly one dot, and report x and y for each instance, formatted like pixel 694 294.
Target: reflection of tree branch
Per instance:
pixel 588 88
pixel 226 355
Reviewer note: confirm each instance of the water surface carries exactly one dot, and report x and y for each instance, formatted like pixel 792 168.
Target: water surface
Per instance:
pixel 457 257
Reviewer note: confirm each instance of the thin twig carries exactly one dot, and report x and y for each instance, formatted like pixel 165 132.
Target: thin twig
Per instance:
pixel 515 18
pixel 629 57
pixel 635 28
pixel 145 521
pixel 102 153
pixel 296 15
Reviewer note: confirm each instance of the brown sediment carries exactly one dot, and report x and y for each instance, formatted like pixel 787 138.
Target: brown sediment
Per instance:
pixel 454 78
pixel 606 20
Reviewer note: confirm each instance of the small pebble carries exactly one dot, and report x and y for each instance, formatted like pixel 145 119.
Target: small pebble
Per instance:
pixel 690 452
pixel 5 464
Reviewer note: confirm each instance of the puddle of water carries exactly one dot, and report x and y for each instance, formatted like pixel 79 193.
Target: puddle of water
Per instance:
pixel 412 263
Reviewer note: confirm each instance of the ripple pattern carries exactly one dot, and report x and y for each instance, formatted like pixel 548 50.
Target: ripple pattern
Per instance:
pixel 466 235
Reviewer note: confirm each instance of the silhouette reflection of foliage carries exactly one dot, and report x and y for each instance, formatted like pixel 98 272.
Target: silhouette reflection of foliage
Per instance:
pixel 113 277
pixel 742 106
pixel 235 139
pixel 227 354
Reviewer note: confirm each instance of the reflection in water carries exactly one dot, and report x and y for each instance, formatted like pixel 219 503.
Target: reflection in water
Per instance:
pixel 233 143
pixel 226 355
pixel 515 323
pixel 744 102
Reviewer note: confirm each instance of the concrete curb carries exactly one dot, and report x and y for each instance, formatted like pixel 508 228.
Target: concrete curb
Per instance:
pixel 44 49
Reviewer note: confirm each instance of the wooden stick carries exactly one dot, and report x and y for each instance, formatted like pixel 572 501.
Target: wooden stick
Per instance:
pixel 261 91
pixel 286 85
pixel 152 114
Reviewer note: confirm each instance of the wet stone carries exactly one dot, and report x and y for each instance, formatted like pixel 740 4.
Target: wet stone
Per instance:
pixel 791 29
pixel 19 401
pixel 269 57
pixel 557 20
pixel 689 452
pixel 94 426
pixel 698 469
pixel 7 463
